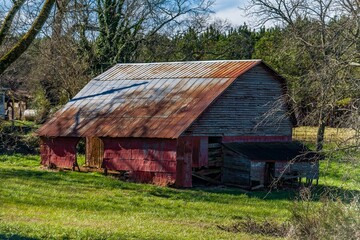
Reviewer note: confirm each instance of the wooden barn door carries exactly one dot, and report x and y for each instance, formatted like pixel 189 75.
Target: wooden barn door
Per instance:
pixel 94 152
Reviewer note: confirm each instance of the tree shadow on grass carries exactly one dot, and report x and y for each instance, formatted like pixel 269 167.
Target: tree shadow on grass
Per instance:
pixel 57 178
pixel 198 194
pixel 16 237
pixel 218 194
pixel 334 193
pixel 317 192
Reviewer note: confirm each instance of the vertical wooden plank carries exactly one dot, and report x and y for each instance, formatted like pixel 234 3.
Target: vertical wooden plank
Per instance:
pixel 94 152
pixel 204 151
pixel 199 152
pixel 180 152
pixel 184 162
pixel 187 182
pixel 196 152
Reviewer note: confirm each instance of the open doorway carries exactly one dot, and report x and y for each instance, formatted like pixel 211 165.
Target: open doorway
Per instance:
pixel 80 154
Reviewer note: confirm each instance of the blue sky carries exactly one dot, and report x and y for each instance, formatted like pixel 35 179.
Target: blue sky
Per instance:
pixel 224 9
pixel 229 10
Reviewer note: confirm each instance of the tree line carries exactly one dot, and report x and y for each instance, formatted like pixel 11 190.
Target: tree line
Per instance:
pixel 54 47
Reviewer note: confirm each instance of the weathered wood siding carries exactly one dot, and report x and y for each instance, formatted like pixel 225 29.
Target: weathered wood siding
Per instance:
pixel 258 172
pixel 236 168
pixel 199 152
pixel 94 152
pixel 184 154
pixel 241 109
pixel 147 160
pixel 58 152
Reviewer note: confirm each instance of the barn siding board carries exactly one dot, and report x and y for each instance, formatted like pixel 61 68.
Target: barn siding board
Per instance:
pixel 94 152
pixel 184 162
pixel 147 160
pixel 258 171
pixel 241 108
pixel 59 152
pixel 200 152
pixel 236 168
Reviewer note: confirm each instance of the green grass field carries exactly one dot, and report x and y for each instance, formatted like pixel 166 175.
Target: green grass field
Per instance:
pixel 43 204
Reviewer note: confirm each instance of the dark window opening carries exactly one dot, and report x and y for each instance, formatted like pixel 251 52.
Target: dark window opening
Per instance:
pixel 215 139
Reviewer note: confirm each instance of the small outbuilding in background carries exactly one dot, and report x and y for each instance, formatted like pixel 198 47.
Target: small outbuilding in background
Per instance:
pixel 13 104
pixel 165 122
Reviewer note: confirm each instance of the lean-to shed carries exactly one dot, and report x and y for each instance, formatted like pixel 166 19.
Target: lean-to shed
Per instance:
pixel 157 121
pixel 260 163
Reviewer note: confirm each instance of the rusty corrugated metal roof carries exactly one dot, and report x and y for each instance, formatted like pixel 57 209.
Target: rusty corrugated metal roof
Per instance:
pixel 158 100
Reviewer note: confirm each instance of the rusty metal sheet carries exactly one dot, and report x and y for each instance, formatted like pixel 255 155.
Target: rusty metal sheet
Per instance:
pixel 150 100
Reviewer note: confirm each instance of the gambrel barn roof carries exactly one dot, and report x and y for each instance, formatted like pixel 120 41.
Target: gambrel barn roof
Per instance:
pixel 157 100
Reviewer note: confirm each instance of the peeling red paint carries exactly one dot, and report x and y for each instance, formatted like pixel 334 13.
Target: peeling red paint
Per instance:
pixel 59 152
pixel 147 160
pixel 184 162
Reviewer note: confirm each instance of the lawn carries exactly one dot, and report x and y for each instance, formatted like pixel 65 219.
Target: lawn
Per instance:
pixel 43 204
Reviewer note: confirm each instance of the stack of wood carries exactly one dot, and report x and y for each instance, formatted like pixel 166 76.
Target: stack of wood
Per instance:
pixel 212 173
pixel 215 155
pixel 212 176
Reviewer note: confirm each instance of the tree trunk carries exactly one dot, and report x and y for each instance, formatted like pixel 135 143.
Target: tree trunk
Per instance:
pixel 27 39
pixel 320 133
pixel 9 19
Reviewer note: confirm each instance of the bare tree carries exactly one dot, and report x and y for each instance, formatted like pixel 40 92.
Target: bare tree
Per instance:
pixel 327 32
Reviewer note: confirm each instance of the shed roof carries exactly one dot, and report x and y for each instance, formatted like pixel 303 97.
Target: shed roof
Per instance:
pixel 273 151
pixel 158 100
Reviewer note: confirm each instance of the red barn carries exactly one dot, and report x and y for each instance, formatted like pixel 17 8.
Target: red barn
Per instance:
pixel 159 121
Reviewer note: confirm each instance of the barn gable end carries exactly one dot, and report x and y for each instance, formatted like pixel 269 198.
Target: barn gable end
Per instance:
pixel 251 106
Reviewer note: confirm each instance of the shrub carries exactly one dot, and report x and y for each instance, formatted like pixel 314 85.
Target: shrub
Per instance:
pixel 19 138
pixel 267 227
pixel 328 219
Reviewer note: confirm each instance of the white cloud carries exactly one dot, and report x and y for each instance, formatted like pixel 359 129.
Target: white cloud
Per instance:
pixel 234 15
pixel 233 11
pixel 230 10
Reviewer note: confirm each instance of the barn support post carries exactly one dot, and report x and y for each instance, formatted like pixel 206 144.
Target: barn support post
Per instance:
pixel 184 162
pixel 200 152
pixel 58 152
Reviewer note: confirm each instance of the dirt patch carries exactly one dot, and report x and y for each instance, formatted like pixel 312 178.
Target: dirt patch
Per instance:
pixel 267 227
